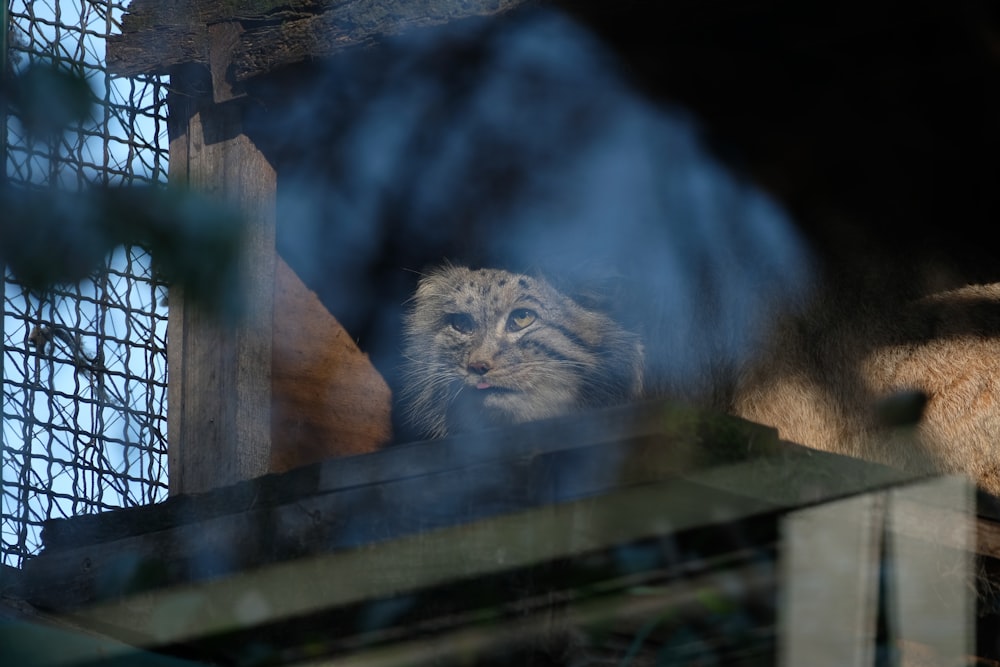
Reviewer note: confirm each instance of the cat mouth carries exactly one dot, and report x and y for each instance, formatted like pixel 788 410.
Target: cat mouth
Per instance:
pixel 490 388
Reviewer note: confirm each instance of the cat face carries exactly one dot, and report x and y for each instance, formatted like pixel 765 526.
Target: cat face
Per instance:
pixel 489 347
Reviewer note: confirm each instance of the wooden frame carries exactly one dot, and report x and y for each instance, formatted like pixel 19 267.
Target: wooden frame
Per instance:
pixel 238 407
pixel 552 525
pixel 220 372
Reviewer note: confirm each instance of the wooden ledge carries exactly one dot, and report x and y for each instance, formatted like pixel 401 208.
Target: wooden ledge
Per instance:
pixel 359 501
pixel 157 35
pixel 379 549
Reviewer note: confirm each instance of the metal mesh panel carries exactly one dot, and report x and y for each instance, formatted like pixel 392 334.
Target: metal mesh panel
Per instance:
pixel 84 368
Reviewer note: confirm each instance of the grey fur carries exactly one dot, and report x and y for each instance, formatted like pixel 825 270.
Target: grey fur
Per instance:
pixel 463 331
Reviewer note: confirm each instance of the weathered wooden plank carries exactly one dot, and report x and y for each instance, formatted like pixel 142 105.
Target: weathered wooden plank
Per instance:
pixel 645 519
pixel 718 439
pixel 156 50
pixel 450 577
pixel 352 501
pixel 220 367
pixel 442 494
pixel 457 512
pixel 675 438
pixel 932 586
pixel 157 36
pixel 911 545
pixel 310 585
pixel 355 24
pixel 638 442
pixel 830 567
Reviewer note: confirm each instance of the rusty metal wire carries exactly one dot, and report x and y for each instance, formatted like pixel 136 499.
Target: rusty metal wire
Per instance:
pixel 83 373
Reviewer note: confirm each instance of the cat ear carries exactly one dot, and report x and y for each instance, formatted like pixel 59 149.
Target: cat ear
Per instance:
pixel 436 276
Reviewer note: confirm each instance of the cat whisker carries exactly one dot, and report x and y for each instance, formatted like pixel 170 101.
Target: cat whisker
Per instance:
pixel 537 341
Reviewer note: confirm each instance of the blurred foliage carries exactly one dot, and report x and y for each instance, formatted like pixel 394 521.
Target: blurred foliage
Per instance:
pixel 48 97
pixel 51 236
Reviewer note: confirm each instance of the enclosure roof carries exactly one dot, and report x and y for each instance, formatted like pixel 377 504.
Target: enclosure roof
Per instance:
pixel 157 35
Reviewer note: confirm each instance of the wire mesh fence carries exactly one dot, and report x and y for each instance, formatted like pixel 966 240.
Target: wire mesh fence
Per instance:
pixel 83 418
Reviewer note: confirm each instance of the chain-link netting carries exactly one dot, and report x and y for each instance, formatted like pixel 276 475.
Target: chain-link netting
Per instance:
pixel 84 367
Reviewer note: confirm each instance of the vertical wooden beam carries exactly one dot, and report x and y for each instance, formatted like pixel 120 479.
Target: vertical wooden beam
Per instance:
pixel 932 584
pixel 220 371
pixel 830 564
pixel 915 542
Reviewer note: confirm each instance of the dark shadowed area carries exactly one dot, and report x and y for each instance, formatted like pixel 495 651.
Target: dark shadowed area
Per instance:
pixel 521 144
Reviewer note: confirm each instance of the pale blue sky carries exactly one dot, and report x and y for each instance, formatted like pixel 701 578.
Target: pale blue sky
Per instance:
pixel 50 409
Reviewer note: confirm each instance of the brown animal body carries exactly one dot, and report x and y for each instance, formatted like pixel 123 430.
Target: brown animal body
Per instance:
pixel 828 382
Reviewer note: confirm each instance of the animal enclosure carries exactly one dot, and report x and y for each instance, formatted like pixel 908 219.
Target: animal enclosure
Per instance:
pixel 288 531
pixel 84 371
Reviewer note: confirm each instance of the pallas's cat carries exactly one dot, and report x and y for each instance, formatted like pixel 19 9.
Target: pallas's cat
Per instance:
pixel 488 347
pixel 832 378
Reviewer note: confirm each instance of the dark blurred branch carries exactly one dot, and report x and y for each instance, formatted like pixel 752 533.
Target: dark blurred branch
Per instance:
pixel 5 63
pixel 48 96
pixel 49 237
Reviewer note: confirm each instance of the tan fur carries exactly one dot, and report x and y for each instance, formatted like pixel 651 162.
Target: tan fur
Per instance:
pixel 470 364
pixel 822 379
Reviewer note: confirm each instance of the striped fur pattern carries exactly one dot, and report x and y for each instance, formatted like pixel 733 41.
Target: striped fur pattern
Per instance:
pixel 488 347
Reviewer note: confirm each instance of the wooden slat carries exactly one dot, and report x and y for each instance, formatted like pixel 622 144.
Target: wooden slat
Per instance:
pixel 307 586
pixel 349 502
pixel 913 545
pixel 627 444
pixel 829 576
pixel 157 36
pixel 434 516
pixel 220 367
pixel 931 584
pixel 696 440
pixel 567 532
pixel 379 497
pixel 353 24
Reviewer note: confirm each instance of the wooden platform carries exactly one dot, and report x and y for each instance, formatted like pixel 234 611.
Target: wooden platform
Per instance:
pixel 635 531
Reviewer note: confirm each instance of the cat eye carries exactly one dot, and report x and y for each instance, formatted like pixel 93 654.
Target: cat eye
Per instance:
pixel 461 322
pixel 520 318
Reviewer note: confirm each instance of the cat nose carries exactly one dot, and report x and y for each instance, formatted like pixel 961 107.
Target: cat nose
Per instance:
pixel 479 367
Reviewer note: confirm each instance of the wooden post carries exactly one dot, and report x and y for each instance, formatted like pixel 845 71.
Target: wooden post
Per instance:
pixel 829 582
pixel 932 587
pixel 285 385
pixel 220 385
pixel 916 542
